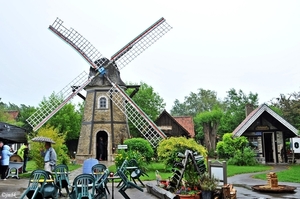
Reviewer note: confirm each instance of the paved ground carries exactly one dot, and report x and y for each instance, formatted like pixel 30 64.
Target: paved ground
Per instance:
pixel 13 188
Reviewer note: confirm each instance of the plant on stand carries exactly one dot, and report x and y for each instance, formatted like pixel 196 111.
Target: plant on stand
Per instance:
pixel 208 185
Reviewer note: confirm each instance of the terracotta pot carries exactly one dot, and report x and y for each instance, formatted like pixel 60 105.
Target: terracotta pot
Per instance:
pixel 186 196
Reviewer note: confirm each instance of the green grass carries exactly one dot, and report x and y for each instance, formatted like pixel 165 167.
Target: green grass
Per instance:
pixel 235 170
pixel 289 175
pixel 31 167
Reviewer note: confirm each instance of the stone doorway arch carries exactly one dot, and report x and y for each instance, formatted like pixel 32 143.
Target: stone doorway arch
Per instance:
pixel 104 136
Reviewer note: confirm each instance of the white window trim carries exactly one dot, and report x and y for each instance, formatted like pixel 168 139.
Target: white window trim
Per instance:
pixel 106 105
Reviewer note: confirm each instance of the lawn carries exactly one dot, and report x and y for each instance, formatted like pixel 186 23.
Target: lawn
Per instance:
pixel 31 167
pixel 289 175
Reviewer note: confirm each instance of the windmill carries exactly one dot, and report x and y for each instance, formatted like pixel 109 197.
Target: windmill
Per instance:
pixel 106 99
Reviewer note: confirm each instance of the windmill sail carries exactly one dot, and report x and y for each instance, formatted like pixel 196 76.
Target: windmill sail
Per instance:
pixel 46 111
pixel 78 42
pixel 141 43
pixel 136 115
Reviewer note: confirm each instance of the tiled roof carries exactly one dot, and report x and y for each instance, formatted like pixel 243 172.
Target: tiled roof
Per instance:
pixel 13 114
pixel 187 123
pixel 248 121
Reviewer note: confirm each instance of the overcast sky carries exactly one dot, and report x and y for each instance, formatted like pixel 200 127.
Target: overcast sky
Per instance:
pixel 218 45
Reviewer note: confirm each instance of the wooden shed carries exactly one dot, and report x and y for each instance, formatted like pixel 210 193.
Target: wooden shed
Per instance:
pixel 267 132
pixel 176 126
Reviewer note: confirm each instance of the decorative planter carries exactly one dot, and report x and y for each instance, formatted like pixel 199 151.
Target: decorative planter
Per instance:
pixel 186 196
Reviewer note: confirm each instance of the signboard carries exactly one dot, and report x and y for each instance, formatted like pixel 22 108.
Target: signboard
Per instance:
pixel 295 145
pixel 120 146
pixel 165 128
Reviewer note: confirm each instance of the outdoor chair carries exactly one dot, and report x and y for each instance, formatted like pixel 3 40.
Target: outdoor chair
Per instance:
pixel 137 173
pixel 83 187
pixel 61 172
pixel 123 169
pixel 98 170
pixel 126 184
pixel 40 186
pixel 101 185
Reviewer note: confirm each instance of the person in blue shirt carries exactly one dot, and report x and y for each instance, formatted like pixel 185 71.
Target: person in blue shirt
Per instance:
pixel 5 155
pixel 50 157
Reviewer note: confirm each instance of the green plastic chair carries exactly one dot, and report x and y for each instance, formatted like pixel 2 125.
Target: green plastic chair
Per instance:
pixel 38 187
pixel 61 172
pixel 126 184
pixel 98 170
pixel 137 173
pixel 83 187
pixel 123 169
pixel 50 189
pixel 101 185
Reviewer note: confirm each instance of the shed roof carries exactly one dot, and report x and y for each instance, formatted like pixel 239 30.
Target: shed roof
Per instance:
pixel 12 134
pixel 267 111
pixel 187 123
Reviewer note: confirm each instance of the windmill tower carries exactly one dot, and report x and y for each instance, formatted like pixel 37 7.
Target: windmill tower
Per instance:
pixel 102 118
pixel 107 106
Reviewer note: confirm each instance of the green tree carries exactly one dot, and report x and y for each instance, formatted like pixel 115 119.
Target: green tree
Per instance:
pixel 25 113
pixel 234 109
pixel 289 107
pixel 67 120
pixel 196 103
pixel 209 121
pixel 149 101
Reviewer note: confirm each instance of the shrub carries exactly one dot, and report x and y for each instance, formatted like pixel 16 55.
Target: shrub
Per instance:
pixel 228 146
pixel 243 158
pixel 59 147
pixel 168 148
pixel 142 146
pixel 128 155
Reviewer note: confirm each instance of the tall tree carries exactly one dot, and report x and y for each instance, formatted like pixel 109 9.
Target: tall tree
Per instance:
pixel 210 121
pixel 196 103
pixel 234 108
pixel 67 120
pixel 149 101
pixel 290 107
pixel 25 113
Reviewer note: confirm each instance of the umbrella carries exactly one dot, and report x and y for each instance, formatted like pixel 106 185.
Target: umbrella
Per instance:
pixel 42 139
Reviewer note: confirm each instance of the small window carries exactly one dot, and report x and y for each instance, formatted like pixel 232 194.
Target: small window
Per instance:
pixel 102 102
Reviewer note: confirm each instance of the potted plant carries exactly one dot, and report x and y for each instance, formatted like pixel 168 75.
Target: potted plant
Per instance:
pixel 186 192
pixel 208 185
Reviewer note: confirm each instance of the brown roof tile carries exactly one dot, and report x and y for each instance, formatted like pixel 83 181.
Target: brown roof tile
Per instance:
pixel 187 123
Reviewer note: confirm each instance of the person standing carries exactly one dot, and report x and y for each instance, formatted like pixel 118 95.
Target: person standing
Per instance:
pixel 1 146
pixel 50 157
pixel 101 148
pixel 5 155
pixel 23 153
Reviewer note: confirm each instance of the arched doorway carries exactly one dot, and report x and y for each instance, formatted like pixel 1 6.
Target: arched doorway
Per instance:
pixel 101 135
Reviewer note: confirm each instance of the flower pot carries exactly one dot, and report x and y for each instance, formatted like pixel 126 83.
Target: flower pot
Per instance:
pixel 186 196
pixel 206 194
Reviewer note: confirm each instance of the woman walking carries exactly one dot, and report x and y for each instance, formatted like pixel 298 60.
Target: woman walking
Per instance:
pixel 6 153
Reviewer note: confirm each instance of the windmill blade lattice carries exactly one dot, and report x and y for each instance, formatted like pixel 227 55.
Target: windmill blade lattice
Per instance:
pixel 47 110
pixel 77 41
pixel 139 119
pixel 141 43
